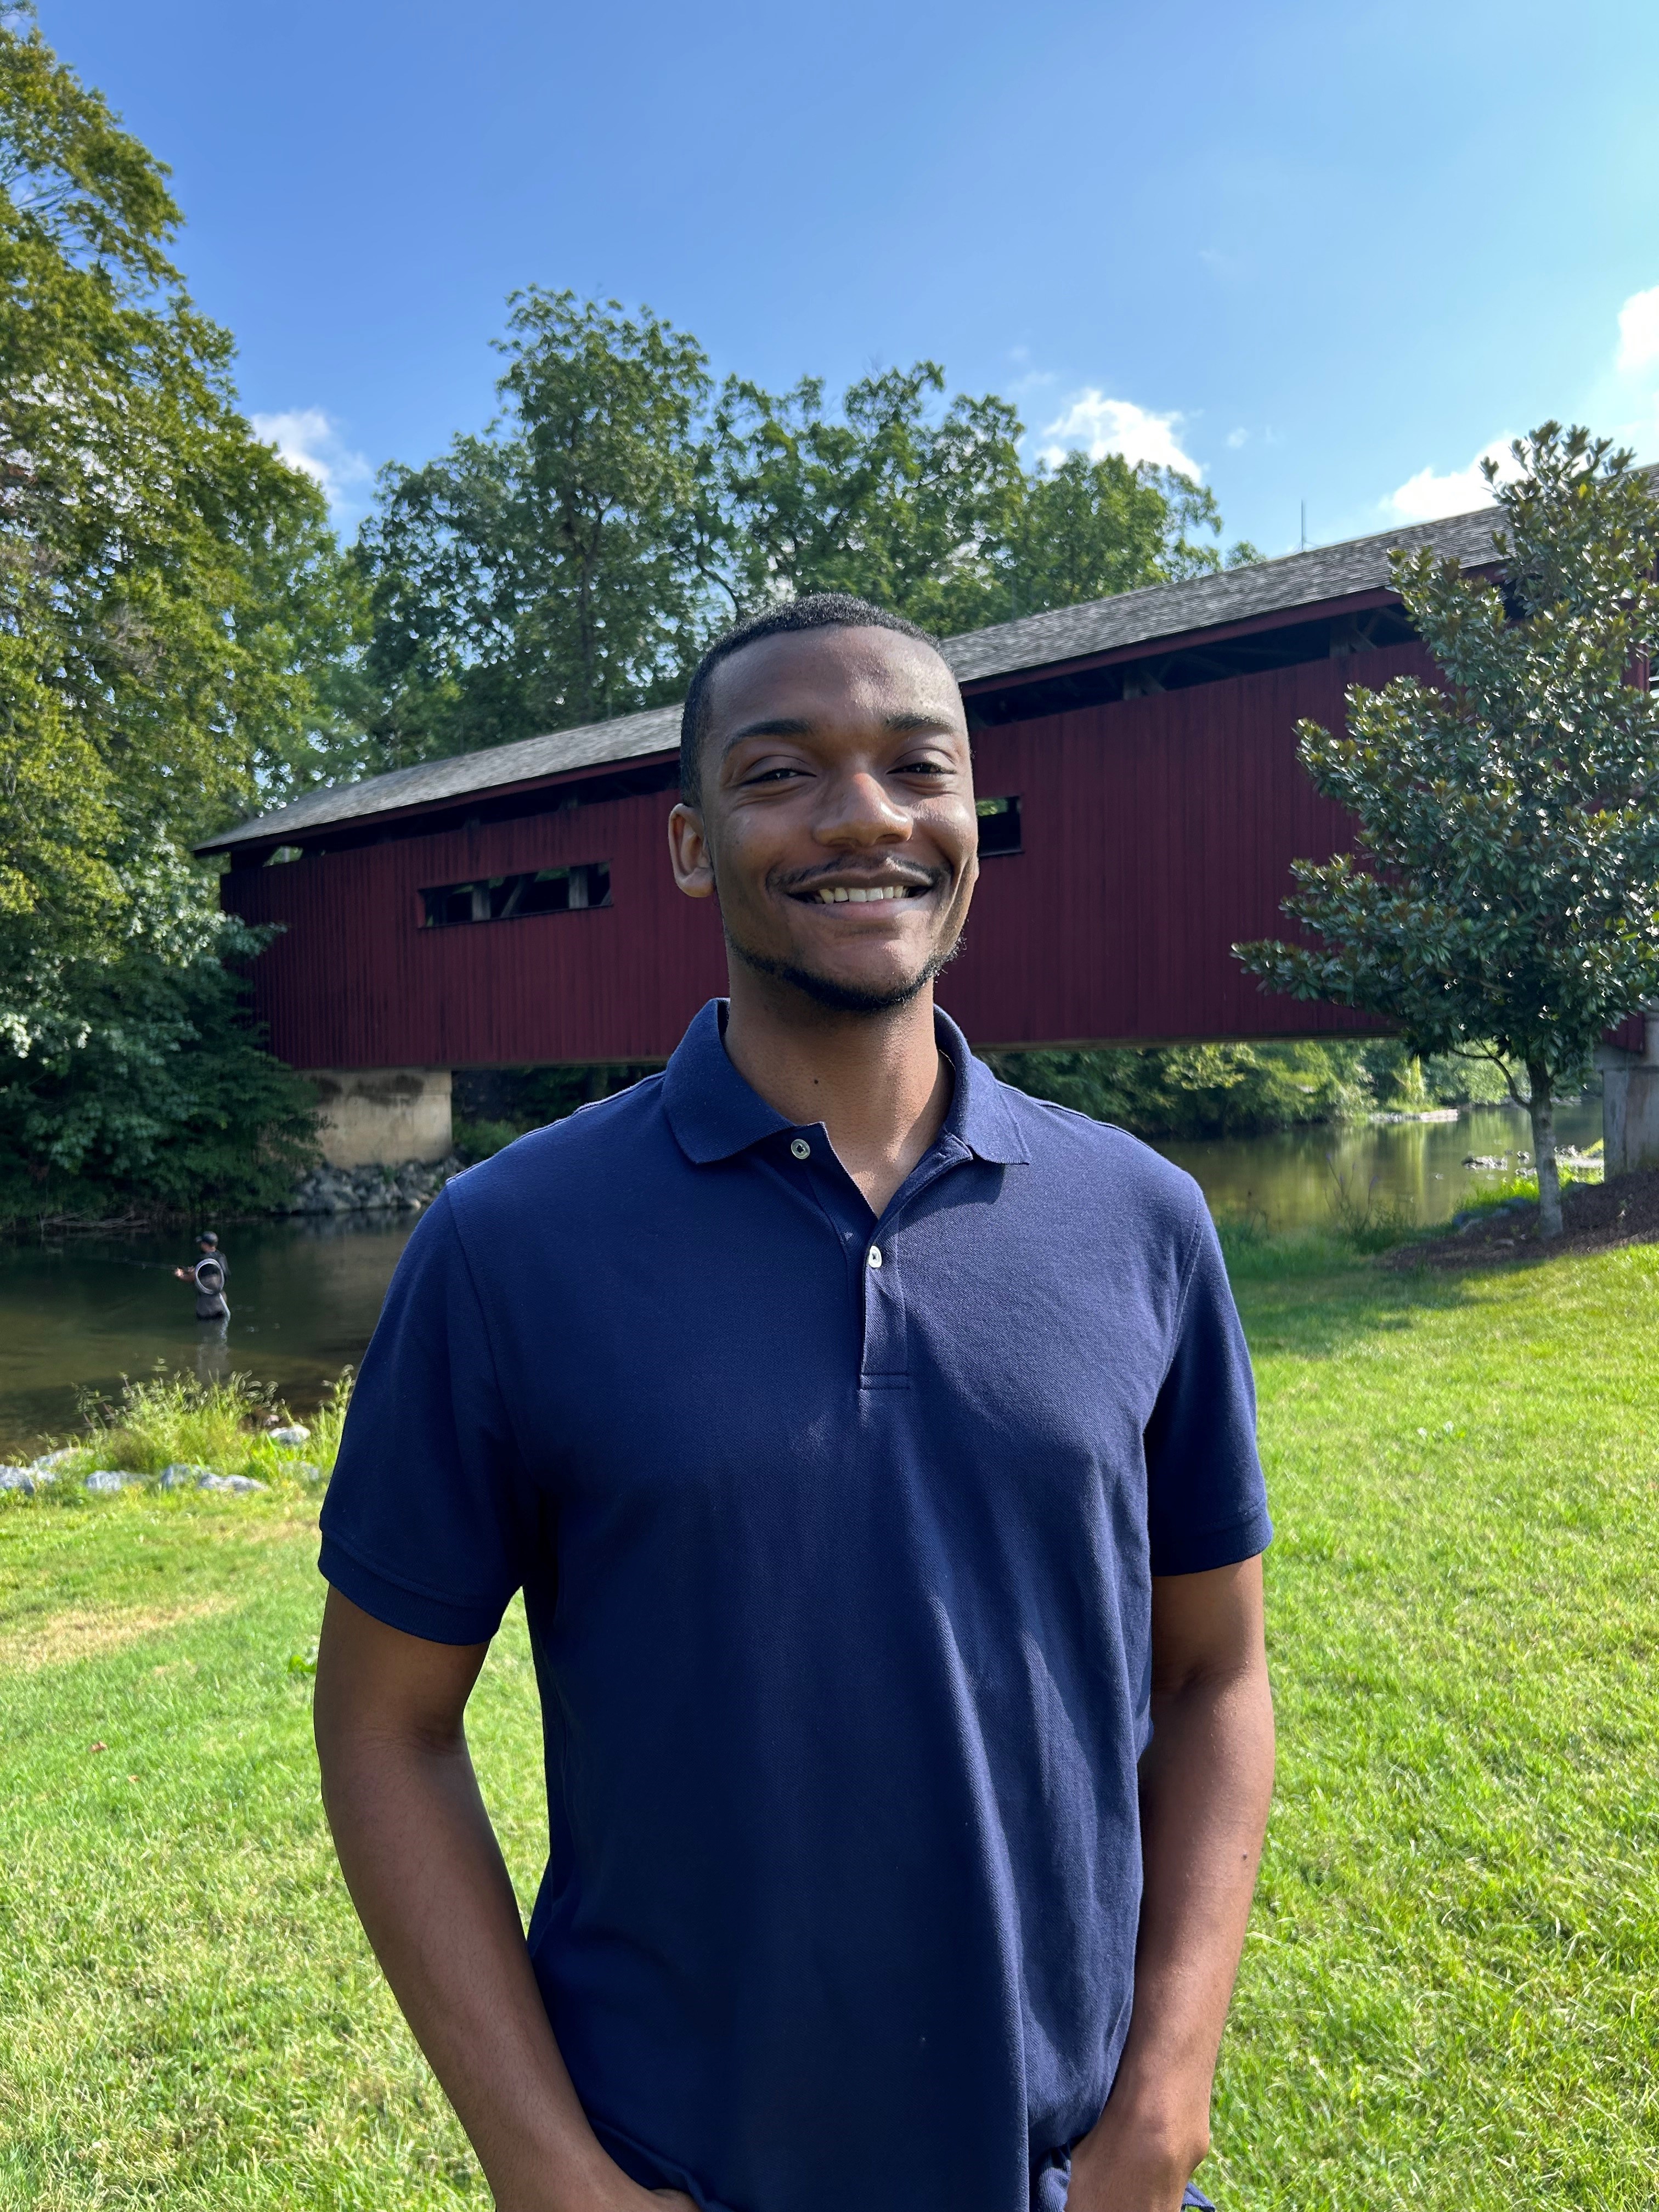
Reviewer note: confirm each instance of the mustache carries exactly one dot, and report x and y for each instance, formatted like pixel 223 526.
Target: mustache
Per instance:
pixel 885 872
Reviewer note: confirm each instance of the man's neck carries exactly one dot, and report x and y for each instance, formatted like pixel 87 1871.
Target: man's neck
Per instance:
pixel 878 1082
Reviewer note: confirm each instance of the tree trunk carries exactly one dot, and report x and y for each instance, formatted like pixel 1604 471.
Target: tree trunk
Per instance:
pixel 1542 1108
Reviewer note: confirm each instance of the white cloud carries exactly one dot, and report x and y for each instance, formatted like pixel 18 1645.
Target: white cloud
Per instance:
pixel 1101 425
pixel 1238 438
pixel 309 440
pixel 1639 333
pixel 1427 497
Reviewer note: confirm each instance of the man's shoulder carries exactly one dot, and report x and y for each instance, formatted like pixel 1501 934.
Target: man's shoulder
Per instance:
pixel 1074 1153
pixel 625 1131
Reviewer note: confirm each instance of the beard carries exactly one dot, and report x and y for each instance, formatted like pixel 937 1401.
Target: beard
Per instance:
pixel 837 998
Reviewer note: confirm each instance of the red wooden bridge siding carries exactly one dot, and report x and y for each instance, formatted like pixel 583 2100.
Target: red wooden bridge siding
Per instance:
pixel 1158 832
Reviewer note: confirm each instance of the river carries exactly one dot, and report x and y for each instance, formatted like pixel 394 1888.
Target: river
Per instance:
pixel 77 1315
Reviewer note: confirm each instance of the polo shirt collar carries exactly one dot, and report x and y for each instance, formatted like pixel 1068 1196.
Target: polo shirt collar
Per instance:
pixel 714 1114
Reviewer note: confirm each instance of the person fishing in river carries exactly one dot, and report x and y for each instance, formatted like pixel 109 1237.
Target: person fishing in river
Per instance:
pixel 209 1275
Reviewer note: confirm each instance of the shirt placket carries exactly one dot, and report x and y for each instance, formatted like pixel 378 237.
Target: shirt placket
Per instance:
pixel 885 1363
pixel 876 1250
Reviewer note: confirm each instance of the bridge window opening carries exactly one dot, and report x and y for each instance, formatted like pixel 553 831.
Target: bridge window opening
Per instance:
pixel 510 898
pixel 999 827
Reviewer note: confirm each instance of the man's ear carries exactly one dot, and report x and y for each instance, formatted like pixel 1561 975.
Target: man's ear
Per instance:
pixel 688 849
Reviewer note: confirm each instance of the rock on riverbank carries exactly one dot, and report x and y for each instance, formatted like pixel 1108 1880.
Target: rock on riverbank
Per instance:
pixel 403 1189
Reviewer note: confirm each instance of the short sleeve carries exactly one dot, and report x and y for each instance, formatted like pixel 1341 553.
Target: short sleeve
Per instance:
pixel 1206 1503
pixel 422 1526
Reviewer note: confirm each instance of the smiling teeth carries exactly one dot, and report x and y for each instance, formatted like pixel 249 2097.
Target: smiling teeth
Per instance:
pixel 839 896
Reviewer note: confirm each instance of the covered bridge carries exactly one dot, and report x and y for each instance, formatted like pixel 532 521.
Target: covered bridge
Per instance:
pixel 1141 802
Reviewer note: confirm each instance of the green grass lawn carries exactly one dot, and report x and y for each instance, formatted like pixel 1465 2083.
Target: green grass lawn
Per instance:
pixel 1451 1997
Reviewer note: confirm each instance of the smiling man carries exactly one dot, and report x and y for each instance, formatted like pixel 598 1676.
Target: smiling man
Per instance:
pixel 874 1448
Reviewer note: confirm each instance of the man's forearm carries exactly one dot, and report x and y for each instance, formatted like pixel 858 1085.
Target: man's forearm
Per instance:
pixel 1204 1798
pixel 426 1874
pixel 1205 1783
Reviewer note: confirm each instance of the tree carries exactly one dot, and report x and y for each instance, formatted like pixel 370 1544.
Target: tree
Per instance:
pixel 1506 886
pixel 933 514
pixel 554 569
pixel 882 499
pixel 158 575
pixel 1089 528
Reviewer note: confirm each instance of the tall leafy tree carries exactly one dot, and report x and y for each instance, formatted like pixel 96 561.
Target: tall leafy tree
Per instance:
pixel 158 574
pixel 882 497
pixel 931 512
pixel 1506 886
pixel 1088 528
pixel 552 570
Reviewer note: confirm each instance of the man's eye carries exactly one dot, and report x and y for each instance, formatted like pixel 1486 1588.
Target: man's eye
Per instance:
pixel 925 768
pixel 771 774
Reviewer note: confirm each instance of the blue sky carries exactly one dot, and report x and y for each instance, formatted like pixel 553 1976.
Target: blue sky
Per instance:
pixel 1324 252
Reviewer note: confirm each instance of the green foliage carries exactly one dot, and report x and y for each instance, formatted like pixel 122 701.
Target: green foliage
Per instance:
pixel 477 1141
pixel 1198 1090
pixel 572 561
pixel 1363 1221
pixel 143 1078
pixel 932 513
pixel 1507 884
pixel 494 1105
pixel 169 596
pixel 1244 1090
pixel 879 499
pixel 1089 528
pixel 550 571
pixel 222 1425
pixel 1256 1252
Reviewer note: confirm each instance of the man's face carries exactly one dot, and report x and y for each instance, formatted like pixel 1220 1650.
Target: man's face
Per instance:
pixel 837 825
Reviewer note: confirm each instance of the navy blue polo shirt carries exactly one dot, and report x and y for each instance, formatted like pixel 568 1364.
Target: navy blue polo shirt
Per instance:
pixel 835 1536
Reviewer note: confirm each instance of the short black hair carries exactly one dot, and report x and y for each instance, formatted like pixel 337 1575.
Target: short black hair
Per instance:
pixel 820 611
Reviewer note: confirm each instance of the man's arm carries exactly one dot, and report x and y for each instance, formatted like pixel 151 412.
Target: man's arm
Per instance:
pixel 426 1874
pixel 1205 1785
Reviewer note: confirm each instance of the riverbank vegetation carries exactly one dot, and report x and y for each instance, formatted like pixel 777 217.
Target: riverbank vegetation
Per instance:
pixel 1174 1091
pixel 1447 1997
pixel 224 1427
pixel 1242 1090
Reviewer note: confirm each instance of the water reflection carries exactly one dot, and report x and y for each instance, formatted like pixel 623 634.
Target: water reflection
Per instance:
pixel 1289 1178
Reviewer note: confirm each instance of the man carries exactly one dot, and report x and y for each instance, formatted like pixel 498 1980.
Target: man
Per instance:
pixel 874 1448
pixel 209 1275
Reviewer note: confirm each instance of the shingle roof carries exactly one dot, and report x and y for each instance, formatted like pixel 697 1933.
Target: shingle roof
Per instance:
pixel 1068 633
pixel 594 744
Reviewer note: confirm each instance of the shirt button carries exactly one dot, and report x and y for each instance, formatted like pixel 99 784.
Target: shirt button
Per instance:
pixel 801 1149
pixel 873 1256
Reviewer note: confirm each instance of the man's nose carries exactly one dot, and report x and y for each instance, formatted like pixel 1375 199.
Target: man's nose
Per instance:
pixel 859 811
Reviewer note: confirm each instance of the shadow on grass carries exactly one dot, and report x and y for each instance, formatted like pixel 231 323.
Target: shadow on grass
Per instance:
pixel 1314 1291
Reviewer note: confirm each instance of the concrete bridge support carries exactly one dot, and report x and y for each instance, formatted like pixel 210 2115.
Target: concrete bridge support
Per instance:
pixel 378 1116
pixel 1630 1105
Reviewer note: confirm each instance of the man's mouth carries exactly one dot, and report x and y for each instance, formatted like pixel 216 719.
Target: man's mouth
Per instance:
pixel 860 894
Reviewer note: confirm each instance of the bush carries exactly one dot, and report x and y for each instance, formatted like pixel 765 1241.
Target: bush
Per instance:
pixel 144 1085
pixel 479 1140
pixel 1243 1090
pixel 1196 1090
pixel 222 1425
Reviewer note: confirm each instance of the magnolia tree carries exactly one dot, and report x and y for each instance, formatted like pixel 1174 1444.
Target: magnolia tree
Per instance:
pixel 1505 897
